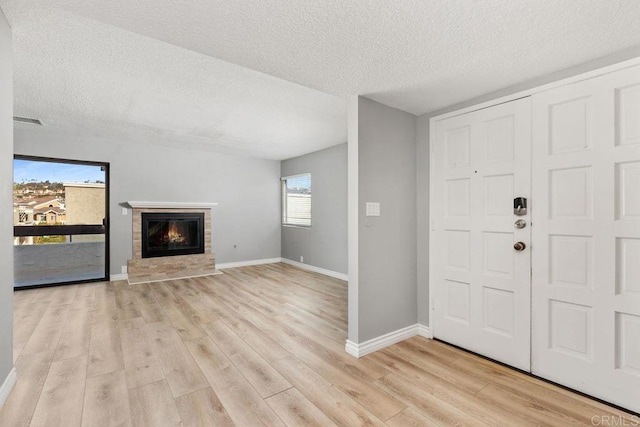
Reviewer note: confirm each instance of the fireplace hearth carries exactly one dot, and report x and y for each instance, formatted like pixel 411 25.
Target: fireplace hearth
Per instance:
pixel 170 234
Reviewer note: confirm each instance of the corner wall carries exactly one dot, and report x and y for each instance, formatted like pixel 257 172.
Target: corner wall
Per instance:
pixel 6 200
pixel 324 245
pixel 387 245
pixel 246 222
pixel 423 159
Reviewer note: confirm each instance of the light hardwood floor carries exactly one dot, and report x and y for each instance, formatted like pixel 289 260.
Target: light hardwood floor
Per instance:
pixel 260 345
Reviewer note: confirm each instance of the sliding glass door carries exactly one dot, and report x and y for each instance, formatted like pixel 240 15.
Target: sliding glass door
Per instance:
pixel 60 217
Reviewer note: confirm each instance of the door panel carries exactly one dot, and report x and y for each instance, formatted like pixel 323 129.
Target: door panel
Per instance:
pixel 586 236
pixel 481 161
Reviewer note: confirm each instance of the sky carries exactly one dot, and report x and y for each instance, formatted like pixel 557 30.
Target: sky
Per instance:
pixel 302 181
pixel 27 170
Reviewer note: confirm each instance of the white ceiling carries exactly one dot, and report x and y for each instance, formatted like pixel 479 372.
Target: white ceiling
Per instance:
pixel 165 74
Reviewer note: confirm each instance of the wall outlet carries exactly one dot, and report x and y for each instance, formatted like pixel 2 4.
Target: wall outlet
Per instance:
pixel 372 209
pixel 124 269
pixel 301 259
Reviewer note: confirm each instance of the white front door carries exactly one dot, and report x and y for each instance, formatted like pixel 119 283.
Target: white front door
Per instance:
pixel 586 236
pixel 480 162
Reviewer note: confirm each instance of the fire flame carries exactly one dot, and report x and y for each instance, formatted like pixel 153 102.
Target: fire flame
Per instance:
pixel 173 235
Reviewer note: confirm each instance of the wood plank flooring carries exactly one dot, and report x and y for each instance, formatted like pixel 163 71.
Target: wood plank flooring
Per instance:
pixel 260 345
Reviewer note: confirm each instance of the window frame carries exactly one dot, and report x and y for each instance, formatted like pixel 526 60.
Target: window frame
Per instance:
pixel 283 191
pixel 48 230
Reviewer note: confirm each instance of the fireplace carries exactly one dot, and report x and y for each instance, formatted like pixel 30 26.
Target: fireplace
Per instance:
pixel 161 230
pixel 169 234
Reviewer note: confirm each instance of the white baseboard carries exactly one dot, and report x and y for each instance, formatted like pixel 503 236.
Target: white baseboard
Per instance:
pixel 247 263
pixel 320 270
pixel 424 331
pixel 116 277
pixel 352 349
pixel 378 343
pixel 7 386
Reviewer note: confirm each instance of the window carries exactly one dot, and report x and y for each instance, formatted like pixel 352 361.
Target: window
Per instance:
pixel 296 200
pixel 60 202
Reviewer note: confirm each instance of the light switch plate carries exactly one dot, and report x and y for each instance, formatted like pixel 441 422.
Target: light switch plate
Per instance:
pixel 125 211
pixel 372 209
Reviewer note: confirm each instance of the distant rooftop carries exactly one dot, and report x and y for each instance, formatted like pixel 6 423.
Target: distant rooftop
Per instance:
pixel 83 184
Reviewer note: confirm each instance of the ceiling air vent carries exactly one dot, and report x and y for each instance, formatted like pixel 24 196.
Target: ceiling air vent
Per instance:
pixel 27 120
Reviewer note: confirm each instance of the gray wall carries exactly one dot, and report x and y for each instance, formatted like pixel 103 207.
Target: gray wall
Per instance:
pixel 323 245
pixel 246 189
pixel 387 244
pixel 6 199
pixel 422 205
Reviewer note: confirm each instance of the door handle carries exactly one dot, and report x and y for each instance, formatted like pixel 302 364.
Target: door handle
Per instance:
pixel 519 246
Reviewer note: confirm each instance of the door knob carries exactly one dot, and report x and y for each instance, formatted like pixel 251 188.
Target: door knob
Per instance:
pixel 521 223
pixel 519 246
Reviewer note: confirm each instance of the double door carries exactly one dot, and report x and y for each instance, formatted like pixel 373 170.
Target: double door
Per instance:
pixel 567 305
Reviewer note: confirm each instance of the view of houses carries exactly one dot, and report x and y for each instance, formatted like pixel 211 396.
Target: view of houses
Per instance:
pixel 46 203
pixel 38 203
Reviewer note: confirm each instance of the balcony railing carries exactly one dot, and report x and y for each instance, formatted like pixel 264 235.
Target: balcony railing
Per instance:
pixel 50 254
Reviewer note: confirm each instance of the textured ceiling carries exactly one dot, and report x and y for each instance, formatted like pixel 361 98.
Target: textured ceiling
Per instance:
pixel 81 76
pixel 415 55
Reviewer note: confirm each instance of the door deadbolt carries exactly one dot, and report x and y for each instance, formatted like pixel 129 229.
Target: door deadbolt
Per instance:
pixel 521 223
pixel 519 246
pixel 520 206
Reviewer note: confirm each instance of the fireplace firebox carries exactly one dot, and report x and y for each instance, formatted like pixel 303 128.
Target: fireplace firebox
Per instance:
pixel 169 234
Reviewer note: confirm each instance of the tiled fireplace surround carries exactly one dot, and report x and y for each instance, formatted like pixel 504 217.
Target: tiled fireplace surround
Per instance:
pixel 143 270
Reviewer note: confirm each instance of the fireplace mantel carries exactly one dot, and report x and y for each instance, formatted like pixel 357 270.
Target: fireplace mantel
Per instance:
pixel 171 205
